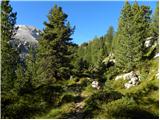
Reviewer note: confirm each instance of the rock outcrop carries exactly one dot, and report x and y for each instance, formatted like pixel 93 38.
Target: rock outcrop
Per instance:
pixel 126 76
pixel 28 34
pixel 26 37
pixel 132 77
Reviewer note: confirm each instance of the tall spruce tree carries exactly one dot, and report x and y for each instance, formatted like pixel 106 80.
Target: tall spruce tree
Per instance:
pixel 54 57
pixel 121 49
pixel 132 31
pixel 142 24
pixel 139 32
pixel 9 55
pixel 9 58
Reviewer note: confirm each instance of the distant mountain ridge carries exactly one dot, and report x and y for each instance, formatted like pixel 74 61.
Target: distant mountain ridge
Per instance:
pixel 26 37
pixel 27 33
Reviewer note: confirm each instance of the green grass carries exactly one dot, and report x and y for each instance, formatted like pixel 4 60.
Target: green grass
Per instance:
pixel 88 91
pixel 56 113
pixel 113 100
pixel 146 94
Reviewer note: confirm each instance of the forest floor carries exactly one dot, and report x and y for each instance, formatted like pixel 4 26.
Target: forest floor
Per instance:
pixel 87 102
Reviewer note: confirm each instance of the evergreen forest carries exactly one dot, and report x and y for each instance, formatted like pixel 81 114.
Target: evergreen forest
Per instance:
pixel 114 76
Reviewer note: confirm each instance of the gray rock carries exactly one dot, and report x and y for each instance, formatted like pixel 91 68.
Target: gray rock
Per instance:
pixel 95 84
pixel 127 85
pixel 26 37
pixel 126 76
pixel 132 78
pixel 149 42
pixel 157 55
pixel 135 80
pixel 130 82
pixel 112 60
pixel 119 77
pixel 27 34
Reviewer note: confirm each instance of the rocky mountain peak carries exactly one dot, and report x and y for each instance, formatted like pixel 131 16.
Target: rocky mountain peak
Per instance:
pixel 27 33
pixel 25 37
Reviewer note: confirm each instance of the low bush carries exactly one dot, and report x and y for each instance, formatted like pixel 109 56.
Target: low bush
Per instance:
pixel 94 102
pixel 60 112
pixel 125 108
pixel 24 107
pixel 111 72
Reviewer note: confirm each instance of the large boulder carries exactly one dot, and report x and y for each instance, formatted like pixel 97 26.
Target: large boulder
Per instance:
pixel 132 77
pixel 133 82
pixel 126 76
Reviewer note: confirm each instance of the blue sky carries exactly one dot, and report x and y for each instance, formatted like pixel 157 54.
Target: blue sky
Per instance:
pixel 91 18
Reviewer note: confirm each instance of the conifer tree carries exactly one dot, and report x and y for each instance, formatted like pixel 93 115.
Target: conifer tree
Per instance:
pixel 9 55
pixel 100 68
pixel 155 24
pixel 109 38
pixel 54 57
pixel 82 65
pixel 31 67
pixel 142 22
pixel 20 80
pixel 27 73
pixel 132 31
pixel 122 37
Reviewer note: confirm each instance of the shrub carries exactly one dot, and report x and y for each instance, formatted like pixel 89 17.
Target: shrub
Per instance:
pixel 125 108
pixel 94 102
pixel 116 84
pixel 25 107
pixel 60 112
pixel 67 98
pixel 111 72
pixel 51 93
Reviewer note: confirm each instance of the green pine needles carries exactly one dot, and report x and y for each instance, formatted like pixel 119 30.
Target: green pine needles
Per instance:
pixel 54 55
pixel 132 31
